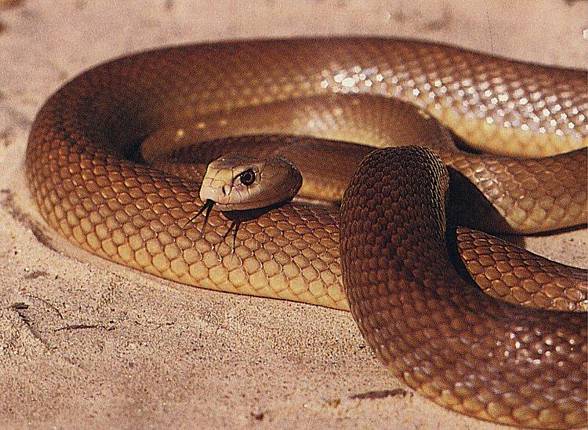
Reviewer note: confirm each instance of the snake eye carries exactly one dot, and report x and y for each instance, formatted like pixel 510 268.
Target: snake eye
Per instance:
pixel 247 177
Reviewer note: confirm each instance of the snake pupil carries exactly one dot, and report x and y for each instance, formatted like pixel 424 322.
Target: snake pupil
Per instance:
pixel 247 177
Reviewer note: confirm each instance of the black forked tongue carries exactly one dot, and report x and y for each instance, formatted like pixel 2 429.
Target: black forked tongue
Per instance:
pixel 207 206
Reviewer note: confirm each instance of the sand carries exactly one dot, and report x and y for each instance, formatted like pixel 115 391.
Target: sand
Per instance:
pixel 85 343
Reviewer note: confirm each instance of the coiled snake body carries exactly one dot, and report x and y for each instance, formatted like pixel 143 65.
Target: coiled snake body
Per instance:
pixel 439 333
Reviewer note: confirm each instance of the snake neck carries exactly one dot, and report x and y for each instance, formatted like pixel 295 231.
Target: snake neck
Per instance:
pixel 388 195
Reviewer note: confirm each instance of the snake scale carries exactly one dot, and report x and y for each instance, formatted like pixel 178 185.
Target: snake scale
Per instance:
pixel 433 329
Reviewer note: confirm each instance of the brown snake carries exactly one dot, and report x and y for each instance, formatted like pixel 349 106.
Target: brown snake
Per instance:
pixel 439 333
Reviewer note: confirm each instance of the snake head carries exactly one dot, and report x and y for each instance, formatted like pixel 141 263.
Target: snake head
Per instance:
pixel 235 182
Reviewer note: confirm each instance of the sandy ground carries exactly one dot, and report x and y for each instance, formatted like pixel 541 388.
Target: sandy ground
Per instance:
pixel 85 343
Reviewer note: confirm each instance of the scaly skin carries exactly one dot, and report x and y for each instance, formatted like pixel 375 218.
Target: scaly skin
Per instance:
pixel 501 194
pixel 441 335
pixel 467 351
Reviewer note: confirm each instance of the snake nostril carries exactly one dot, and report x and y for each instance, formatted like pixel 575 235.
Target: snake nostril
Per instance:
pixel 226 189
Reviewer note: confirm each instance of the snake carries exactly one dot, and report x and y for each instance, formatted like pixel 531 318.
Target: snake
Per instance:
pixel 386 254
